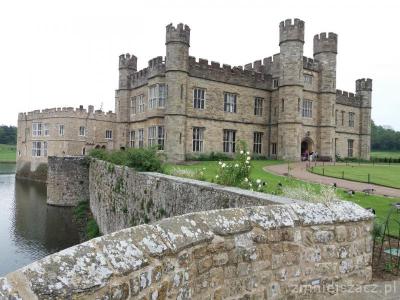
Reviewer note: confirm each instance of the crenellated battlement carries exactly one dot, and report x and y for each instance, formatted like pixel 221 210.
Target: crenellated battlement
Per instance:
pixel 364 84
pixel 68 112
pixel 128 61
pixel 310 64
pixel 226 73
pixel 291 30
pixel 324 42
pixel 180 33
pixel 347 98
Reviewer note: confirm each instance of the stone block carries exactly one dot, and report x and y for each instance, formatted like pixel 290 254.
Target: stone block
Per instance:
pixel 184 231
pixel 272 216
pixel 228 221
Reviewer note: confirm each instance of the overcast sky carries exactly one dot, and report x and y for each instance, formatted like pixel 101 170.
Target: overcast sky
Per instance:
pixel 65 53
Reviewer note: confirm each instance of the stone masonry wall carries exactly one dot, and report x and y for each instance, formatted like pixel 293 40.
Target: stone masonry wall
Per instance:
pixel 68 180
pixel 121 197
pixel 268 252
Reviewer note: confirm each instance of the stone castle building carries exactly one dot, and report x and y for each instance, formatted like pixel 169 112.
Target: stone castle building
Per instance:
pixel 282 106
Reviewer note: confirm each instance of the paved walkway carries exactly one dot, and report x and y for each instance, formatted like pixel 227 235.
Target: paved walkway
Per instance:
pixel 299 171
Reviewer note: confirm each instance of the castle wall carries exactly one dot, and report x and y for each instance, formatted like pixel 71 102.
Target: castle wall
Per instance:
pixel 121 197
pixel 299 250
pixel 68 180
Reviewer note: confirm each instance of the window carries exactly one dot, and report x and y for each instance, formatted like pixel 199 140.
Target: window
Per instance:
pixel 155 136
pixel 283 105
pixel 82 131
pixel 37 129
pixel 132 138
pixel 273 150
pixel 109 134
pixel 161 137
pixel 198 137
pixel 307 109
pixel 61 130
pixel 350 144
pixel 44 148
pixel 198 98
pixel 308 79
pixel 275 110
pixel 275 83
pixel 298 104
pixel 133 105
pixel 257 142
pixel 351 119
pixel 230 102
pixel 151 136
pixel 258 106
pixel 140 101
pixel 46 129
pixel 336 115
pixel 36 148
pixel 342 118
pixel 157 95
pixel 141 138
pixel 162 94
pixel 229 140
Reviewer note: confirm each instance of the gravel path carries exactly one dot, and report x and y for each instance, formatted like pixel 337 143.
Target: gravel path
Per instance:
pixel 299 171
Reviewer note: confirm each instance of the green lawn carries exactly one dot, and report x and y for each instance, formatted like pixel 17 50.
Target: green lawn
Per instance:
pixel 387 154
pixel 379 173
pixel 7 153
pixel 381 204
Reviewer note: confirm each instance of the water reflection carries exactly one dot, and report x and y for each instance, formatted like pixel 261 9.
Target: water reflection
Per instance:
pixel 30 229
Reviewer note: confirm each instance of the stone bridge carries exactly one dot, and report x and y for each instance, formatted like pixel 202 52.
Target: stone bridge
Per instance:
pixel 281 249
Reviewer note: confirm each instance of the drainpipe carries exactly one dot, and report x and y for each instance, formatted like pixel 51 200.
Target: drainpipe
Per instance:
pixel 269 127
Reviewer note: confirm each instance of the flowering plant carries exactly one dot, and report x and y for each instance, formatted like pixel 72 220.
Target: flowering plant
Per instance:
pixel 237 172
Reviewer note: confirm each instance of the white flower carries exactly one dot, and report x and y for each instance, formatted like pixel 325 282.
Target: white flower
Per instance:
pixel 220 163
pixel 248 153
pixel 246 179
pixel 236 165
pixel 259 186
pixel 241 151
pixel 248 158
pixel 258 181
pixel 250 184
pixel 216 176
pixel 223 165
pixel 247 162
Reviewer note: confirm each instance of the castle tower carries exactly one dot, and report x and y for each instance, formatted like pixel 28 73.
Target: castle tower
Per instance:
pixel 127 66
pixel 325 51
pixel 291 84
pixel 364 92
pixel 176 78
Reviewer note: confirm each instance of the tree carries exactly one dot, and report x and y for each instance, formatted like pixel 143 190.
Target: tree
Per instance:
pixel 8 135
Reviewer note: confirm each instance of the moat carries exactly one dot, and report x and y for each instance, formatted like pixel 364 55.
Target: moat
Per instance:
pixel 30 229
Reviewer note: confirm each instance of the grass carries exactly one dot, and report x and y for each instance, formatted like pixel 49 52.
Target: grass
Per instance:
pixel 378 174
pixel 7 153
pixel 381 204
pixel 387 154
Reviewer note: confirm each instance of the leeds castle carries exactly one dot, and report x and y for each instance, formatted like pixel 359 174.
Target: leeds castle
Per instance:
pixel 283 106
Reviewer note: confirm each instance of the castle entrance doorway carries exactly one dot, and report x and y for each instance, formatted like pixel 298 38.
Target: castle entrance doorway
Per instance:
pixel 307 147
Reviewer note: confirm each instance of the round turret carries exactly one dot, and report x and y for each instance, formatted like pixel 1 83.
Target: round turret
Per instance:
pixel 127 61
pixel 325 43
pixel 180 34
pixel 364 84
pixel 291 30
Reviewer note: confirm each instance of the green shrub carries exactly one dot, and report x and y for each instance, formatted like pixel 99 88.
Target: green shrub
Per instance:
pixel 212 156
pixel 81 210
pixel 92 229
pixel 141 159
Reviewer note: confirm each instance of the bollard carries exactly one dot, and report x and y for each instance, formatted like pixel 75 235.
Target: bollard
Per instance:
pixel 323 171
pixel 342 174
pixel 369 178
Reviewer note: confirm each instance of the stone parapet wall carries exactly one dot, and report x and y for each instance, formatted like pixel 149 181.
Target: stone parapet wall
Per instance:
pixel 68 180
pixel 268 252
pixel 121 197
